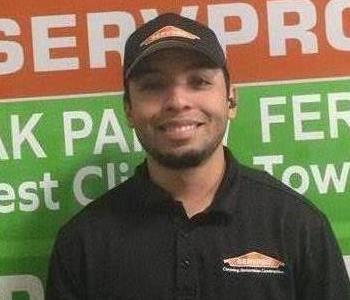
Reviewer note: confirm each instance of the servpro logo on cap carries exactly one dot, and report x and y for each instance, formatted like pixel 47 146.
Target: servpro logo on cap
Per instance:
pixel 168 31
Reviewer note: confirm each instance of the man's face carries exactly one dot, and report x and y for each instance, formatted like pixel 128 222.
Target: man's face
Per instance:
pixel 178 107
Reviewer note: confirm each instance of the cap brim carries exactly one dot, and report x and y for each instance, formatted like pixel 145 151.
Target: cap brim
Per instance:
pixel 169 44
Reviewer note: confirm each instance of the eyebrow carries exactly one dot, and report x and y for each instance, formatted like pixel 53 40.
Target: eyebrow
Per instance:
pixel 146 69
pixel 141 71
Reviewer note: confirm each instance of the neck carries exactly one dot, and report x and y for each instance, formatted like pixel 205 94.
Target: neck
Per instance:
pixel 194 187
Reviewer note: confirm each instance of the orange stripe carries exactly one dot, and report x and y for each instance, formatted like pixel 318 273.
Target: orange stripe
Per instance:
pixel 248 63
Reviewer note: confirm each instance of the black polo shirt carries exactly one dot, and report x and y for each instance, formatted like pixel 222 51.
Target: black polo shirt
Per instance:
pixel 258 240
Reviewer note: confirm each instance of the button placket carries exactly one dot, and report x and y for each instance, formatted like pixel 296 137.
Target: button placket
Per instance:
pixel 186 278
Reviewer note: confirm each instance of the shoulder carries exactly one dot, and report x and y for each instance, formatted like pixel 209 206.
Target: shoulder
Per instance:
pixel 269 192
pixel 103 216
pixel 275 206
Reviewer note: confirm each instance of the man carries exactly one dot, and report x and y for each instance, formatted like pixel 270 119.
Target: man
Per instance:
pixel 192 223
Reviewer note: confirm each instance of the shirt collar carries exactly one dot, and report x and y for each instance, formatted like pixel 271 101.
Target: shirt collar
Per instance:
pixel 224 199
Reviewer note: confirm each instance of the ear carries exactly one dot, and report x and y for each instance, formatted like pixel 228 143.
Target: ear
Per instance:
pixel 232 102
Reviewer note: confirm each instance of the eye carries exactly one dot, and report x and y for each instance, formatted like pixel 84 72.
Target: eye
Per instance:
pixel 199 82
pixel 152 85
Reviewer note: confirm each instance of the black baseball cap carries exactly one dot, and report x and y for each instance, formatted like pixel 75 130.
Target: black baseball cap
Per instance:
pixel 171 31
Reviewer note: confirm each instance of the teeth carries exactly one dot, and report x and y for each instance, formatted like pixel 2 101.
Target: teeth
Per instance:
pixel 180 128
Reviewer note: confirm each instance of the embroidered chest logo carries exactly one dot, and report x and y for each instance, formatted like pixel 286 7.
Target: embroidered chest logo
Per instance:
pixel 168 31
pixel 253 262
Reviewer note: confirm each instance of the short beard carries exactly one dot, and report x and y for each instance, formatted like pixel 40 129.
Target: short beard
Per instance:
pixel 189 159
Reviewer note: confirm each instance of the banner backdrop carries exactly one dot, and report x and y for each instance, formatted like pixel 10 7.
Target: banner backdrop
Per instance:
pixel 64 138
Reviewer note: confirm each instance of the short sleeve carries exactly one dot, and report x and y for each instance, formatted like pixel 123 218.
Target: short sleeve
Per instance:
pixel 63 282
pixel 324 275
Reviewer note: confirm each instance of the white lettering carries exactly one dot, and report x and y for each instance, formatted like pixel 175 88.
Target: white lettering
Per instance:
pixel 3 153
pixel 335 115
pixel 111 183
pixel 7 197
pixel 21 283
pixel 266 119
pixel 299 117
pixel 47 184
pixel 303 178
pixel 334 24
pixel 18 136
pixel 78 183
pixel 268 161
pixel 123 169
pixel 186 11
pixel 99 44
pixel 217 13
pixel 149 14
pixel 330 175
pixel 26 191
pixel 13 50
pixel 69 134
pixel 42 43
pixel 110 121
pixel 137 144
pixel 279 33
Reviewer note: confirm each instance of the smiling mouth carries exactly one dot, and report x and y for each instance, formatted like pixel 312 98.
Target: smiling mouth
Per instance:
pixel 179 127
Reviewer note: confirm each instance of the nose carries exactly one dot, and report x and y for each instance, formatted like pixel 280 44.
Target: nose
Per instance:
pixel 178 98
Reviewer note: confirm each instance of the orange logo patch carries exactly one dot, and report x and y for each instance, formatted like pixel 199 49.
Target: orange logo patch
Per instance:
pixel 254 260
pixel 168 31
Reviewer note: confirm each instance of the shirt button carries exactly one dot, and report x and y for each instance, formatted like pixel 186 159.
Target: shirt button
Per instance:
pixel 185 234
pixel 186 263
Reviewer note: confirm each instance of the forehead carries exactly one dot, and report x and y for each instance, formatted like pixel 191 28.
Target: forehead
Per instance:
pixel 169 58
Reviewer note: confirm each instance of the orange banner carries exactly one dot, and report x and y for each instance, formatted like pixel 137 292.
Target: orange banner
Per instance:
pixel 69 47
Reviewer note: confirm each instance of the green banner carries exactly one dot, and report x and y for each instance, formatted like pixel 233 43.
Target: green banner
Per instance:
pixel 300 134
pixel 57 155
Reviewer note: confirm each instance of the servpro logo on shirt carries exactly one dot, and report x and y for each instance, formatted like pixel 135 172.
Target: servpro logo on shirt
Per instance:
pixel 253 262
